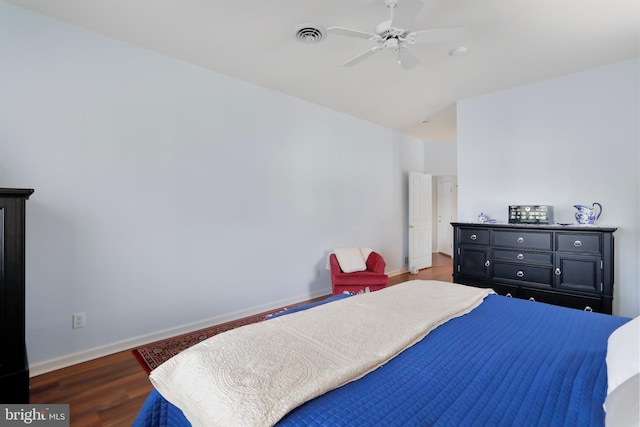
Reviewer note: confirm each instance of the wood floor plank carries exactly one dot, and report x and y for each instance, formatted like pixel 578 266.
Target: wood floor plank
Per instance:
pixel 109 391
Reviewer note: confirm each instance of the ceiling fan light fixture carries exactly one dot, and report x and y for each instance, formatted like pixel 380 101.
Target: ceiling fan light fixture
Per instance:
pixel 459 51
pixel 310 34
pixel 396 34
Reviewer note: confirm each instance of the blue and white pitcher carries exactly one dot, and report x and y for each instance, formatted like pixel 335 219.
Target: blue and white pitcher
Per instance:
pixel 587 215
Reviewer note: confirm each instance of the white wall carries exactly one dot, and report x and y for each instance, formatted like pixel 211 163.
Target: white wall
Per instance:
pixel 440 158
pixel 168 196
pixel 564 141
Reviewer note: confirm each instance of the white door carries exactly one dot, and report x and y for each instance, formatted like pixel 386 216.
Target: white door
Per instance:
pixel 420 206
pixel 447 213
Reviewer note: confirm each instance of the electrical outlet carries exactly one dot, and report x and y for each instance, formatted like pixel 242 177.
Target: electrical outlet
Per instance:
pixel 78 320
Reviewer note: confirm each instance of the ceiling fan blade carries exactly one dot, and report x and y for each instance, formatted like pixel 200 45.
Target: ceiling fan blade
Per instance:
pixel 437 35
pixel 351 33
pixel 406 59
pixel 364 55
pixel 403 15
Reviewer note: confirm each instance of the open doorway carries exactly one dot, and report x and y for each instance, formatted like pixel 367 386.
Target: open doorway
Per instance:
pixel 445 212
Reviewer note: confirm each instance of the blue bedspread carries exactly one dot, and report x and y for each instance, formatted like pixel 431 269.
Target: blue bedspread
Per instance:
pixel 509 362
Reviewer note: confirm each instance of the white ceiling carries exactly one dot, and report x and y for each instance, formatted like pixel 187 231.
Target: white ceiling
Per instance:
pixel 509 42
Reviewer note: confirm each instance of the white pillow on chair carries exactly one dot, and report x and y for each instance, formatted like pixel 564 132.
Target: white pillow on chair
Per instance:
pixel 350 259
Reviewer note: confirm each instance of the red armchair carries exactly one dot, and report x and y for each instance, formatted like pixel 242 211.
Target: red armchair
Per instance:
pixel 373 277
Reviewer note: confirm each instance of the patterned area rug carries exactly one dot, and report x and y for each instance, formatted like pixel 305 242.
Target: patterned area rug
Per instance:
pixel 152 355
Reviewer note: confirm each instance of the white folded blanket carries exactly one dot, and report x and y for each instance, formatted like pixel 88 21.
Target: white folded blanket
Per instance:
pixel 256 374
pixel 352 259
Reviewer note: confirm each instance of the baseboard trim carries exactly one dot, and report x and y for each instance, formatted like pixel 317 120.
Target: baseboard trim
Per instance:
pixel 71 359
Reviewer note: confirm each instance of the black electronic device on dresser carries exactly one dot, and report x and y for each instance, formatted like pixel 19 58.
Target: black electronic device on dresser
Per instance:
pixel 570 266
pixel 14 368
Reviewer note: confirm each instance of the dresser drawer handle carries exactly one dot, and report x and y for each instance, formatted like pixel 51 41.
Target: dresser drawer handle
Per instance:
pixel 520 256
pixel 589 309
pixel 577 243
pixel 532 299
pixel 558 271
pixel 487 264
pixel 520 273
pixel 520 240
pixel 508 295
pixel 473 237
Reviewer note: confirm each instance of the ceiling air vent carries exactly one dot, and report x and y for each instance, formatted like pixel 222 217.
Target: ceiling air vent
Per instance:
pixel 310 34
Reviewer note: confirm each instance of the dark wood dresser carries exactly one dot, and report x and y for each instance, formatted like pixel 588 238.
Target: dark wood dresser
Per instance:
pixel 14 367
pixel 570 266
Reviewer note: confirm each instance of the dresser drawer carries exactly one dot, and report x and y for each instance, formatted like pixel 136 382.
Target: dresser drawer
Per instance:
pixel 523 239
pixel 576 242
pixel 506 290
pixel 523 273
pixel 523 256
pixel 473 236
pixel 565 300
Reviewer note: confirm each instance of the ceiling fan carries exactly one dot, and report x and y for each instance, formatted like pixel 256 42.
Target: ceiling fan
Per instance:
pixel 396 35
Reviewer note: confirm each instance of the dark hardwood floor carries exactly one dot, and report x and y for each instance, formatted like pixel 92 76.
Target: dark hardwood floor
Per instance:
pixel 109 391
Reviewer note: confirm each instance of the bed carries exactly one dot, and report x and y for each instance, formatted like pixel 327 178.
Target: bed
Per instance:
pixel 494 361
